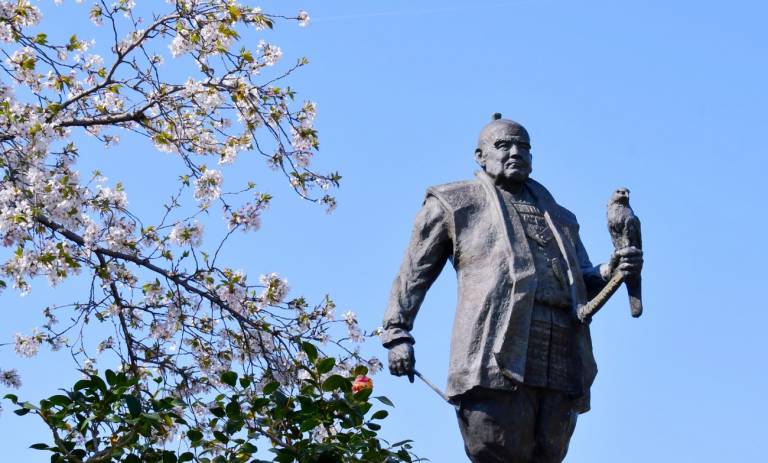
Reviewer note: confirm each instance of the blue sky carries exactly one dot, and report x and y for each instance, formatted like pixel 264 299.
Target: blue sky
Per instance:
pixel 666 98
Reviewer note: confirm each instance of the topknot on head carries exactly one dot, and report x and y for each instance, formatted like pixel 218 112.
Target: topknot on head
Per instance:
pixel 496 116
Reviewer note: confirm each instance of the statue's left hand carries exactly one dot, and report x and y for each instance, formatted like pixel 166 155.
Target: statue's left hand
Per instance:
pixel 628 261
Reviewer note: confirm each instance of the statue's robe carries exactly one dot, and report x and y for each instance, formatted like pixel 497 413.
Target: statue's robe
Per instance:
pixel 467 223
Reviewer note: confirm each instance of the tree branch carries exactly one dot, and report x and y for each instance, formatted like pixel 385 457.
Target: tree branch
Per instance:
pixel 106 454
pixel 146 263
pixel 105 120
pixel 118 61
pixel 121 316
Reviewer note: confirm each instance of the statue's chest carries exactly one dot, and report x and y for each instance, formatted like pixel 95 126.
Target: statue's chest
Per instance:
pixel 534 222
pixel 552 284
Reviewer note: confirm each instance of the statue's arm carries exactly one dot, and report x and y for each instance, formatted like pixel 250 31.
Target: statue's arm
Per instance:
pixel 430 247
pixel 595 276
pixel 628 260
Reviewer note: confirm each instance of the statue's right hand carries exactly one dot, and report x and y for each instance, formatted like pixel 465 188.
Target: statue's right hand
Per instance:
pixel 628 261
pixel 402 360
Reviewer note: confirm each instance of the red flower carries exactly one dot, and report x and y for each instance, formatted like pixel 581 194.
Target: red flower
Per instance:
pixel 362 382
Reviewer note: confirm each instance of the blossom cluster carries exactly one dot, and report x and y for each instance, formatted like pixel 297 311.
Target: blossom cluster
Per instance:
pixel 28 346
pixel 10 378
pixel 176 310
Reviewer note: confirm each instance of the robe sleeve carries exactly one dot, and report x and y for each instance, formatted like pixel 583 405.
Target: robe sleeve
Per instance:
pixel 430 247
pixel 594 279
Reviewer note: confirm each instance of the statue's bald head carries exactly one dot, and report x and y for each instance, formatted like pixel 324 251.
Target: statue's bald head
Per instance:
pixel 504 151
pixel 491 129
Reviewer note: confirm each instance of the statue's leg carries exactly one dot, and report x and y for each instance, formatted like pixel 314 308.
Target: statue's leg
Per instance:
pixel 498 426
pixel 556 420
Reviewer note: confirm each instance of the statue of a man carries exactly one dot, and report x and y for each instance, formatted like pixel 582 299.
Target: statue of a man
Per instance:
pixel 521 362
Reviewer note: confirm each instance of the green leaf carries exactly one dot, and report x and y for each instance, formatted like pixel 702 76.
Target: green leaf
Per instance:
pixel 248 448
pixel 134 405
pixel 220 436
pixel 259 403
pixel 310 350
pixel 271 387
pixel 362 396
pixel 186 456
pixel 82 384
pixel 335 382
pixel 308 424
pixel 73 44
pixel 233 426
pixel 60 400
pixel 39 446
pixel 29 406
pixel 111 377
pixel 384 400
pixel 229 378
pixel 380 415
pixel 169 457
pixel 233 409
pixel 325 365
pixel 374 426
pixel 99 383
pixel 218 411
pixel 154 417
pixel 194 435
pixel 284 456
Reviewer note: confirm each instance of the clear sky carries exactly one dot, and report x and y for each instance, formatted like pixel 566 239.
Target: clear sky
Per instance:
pixel 666 98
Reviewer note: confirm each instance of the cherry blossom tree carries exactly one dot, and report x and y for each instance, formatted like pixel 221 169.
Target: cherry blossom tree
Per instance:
pixel 205 362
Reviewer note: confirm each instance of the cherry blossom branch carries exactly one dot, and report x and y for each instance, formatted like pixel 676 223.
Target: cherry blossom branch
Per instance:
pixel 147 264
pixel 120 54
pixel 121 315
pixel 110 119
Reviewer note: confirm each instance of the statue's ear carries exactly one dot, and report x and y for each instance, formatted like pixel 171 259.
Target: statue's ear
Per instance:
pixel 480 157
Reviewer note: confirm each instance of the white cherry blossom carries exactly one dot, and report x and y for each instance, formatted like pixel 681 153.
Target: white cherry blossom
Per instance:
pixel 10 378
pixel 208 186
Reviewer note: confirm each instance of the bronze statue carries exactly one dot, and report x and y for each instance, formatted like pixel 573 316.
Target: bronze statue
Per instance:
pixel 521 362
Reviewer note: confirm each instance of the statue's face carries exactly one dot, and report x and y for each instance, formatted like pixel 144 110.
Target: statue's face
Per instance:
pixel 505 154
